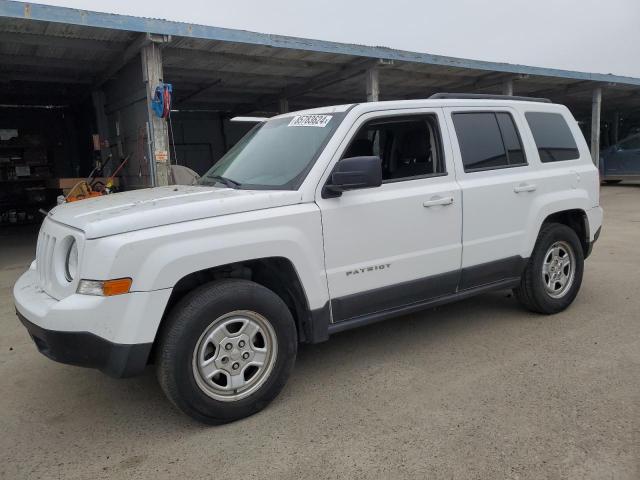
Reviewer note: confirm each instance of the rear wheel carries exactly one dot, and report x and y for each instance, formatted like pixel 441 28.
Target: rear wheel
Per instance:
pixel 553 275
pixel 226 351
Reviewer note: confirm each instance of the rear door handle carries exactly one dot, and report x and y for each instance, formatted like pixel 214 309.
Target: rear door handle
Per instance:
pixel 525 187
pixel 435 201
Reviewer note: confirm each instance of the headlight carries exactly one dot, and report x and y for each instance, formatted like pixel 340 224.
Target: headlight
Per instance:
pixel 71 263
pixel 104 288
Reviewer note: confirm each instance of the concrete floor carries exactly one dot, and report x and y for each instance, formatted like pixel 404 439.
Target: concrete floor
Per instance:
pixel 479 389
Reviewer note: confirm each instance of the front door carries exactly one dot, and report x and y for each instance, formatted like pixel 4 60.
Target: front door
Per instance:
pixel 398 244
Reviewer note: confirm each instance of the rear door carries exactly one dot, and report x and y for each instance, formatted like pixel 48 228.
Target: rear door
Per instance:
pixel 398 244
pixel 499 187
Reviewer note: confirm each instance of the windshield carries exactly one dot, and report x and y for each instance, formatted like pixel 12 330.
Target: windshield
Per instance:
pixel 276 154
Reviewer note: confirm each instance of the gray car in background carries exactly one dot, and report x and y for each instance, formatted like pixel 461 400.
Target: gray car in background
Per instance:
pixel 621 161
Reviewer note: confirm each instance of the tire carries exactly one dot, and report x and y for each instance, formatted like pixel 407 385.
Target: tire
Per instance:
pixel 539 292
pixel 228 311
pixel 612 182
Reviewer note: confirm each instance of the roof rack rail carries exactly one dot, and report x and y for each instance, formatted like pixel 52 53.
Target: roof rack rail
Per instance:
pixel 483 96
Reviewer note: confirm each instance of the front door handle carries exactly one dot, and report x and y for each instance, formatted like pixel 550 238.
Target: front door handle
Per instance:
pixel 435 201
pixel 525 187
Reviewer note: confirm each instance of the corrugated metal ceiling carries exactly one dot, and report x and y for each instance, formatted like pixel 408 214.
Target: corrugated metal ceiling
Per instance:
pixel 221 73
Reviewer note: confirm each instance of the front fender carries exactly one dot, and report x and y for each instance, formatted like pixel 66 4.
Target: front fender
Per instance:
pixel 158 258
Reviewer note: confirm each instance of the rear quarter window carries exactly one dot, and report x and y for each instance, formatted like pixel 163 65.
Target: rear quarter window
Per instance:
pixel 553 136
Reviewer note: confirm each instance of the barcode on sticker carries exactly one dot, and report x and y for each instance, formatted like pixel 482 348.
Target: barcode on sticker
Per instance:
pixel 310 121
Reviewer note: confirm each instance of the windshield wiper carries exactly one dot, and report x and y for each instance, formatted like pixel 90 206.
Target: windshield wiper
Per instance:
pixel 226 181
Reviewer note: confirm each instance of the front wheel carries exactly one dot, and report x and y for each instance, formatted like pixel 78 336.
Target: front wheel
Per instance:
pixel 226 351
pixel 553 275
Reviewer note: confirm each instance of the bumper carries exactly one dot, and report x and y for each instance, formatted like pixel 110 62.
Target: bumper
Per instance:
pixel 112 334
pixel 592 242
pixel 594 219
pixel 88 350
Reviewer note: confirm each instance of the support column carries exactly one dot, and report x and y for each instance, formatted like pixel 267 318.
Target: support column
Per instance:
pixel 507 87
pixel 283 105
pixel 373 85
pixel 596 107
pixel 615 126
pixel 158 130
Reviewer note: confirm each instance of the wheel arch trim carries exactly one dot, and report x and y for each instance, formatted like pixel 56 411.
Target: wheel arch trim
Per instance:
pixel 560 207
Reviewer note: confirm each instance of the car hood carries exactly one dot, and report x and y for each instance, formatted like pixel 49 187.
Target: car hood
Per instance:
pixel 153 207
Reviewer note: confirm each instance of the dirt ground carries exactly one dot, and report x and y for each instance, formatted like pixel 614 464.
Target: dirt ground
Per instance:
pixel 479 389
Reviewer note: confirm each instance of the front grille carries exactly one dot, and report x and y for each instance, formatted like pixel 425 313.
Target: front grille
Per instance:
pixel 54 240
pixel 44 259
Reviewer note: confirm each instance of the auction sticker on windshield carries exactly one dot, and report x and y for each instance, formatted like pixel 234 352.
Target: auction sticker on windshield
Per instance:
pixel 310 121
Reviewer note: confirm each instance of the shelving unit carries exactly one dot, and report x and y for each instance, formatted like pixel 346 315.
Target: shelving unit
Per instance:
pixel 24 172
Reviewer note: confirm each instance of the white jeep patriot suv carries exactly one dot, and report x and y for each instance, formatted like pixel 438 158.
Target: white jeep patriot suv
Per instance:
pixel 316 222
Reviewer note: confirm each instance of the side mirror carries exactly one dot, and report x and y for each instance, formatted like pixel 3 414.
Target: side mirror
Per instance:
pixel 353 173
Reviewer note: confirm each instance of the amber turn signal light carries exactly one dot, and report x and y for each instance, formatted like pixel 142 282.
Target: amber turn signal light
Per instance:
pixel 116 287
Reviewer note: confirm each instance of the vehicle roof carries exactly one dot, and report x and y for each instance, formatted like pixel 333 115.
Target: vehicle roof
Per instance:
pixel 426 102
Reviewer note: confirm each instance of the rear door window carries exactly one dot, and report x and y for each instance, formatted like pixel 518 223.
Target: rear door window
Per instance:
pixel 511 139
pixel 488 140
pixel 553 137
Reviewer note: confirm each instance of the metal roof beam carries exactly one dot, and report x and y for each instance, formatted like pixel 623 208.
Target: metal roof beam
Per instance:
pixel 357 68
pixel 132 50
pixel 409 72
pixel 229 98
pixel 48 62
pixel 610 95
pixel 199 91
pixel 39 40
pixel 245 80
pixel 222 106
pixel 223 88
pixel 484 81
pixel 27 77
pixel 241 69
pixel 36 99
pixel 187 55
pixel 251 97
pixel 575 88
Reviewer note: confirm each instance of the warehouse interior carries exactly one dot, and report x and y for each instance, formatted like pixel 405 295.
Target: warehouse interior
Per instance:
pixel 77 89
